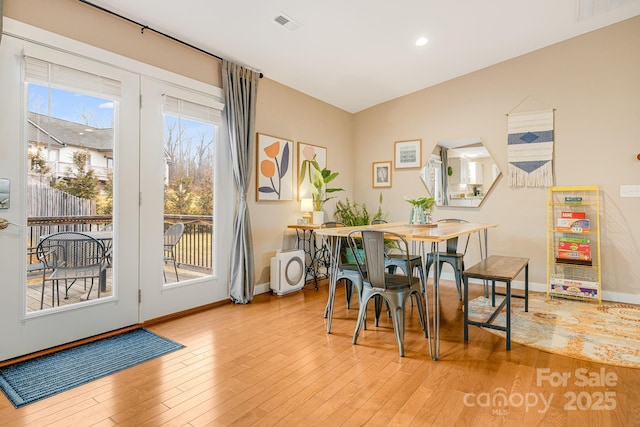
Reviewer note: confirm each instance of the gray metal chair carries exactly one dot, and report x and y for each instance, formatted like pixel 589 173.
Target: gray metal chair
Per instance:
pixel 395 260
pixel 395 289
pixel 452 257
pixel 70 256
pixel 172 236
pixel 345 271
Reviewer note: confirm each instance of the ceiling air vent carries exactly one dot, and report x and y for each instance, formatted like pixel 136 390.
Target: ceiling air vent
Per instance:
pixel 287 22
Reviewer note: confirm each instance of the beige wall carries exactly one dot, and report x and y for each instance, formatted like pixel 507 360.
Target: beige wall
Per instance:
pixel 591 81
pixel 281 111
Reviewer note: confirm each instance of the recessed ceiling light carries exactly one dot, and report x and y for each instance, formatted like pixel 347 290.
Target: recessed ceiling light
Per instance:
pixel 422 41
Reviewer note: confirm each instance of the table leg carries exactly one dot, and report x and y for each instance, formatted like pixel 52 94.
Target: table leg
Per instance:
pixel 334 250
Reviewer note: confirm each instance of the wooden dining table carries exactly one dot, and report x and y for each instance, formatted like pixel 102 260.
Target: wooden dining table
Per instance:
pixel 421 234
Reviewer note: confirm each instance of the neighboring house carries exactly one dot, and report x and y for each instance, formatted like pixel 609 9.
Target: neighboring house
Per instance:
pixel 59 139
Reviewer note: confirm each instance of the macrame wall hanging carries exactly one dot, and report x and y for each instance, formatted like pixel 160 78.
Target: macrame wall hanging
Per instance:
pixel 530 149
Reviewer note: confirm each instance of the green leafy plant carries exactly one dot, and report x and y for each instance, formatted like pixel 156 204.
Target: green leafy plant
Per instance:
pixel 426 203
pixel 318 177
pixel 353 213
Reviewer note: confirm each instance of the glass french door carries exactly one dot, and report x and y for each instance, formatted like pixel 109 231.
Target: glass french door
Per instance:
pixel 181 260
pixel 70 128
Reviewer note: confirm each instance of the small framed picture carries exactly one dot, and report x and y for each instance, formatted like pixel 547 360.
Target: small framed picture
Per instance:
pixel 408 154
pixel 381 174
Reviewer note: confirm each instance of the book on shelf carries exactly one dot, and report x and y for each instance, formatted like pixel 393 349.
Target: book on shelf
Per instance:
pixel 572 287
pixel 573 199
pixel 573 225
pixel 573 214
pixel 574 246
pixel 574 255
pixel 572 261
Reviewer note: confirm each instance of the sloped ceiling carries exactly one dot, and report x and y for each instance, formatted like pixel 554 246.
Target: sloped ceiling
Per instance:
pixel 354 54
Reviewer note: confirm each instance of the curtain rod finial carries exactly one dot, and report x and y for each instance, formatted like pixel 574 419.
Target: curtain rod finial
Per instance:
pixel 143 28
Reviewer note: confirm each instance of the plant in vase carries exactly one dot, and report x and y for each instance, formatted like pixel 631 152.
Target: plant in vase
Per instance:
pixel 421 210
pixel 318 179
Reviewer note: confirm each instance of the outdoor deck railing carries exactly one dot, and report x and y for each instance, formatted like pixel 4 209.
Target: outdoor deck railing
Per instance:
pixel 195 248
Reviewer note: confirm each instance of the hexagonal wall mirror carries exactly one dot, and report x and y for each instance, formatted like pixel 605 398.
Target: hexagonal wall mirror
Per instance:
pixel 460 172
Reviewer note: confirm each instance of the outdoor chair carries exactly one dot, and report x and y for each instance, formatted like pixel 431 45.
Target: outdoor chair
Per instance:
pixel 70 256
pixel 172 236
pixel 394 289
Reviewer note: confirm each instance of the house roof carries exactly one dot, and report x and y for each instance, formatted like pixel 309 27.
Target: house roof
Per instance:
pixel 60 133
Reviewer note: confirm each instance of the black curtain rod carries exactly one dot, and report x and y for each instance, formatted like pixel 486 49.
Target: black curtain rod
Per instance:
pixel 146 27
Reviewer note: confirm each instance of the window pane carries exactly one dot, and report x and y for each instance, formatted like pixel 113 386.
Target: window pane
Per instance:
pixel 188 196
pixel 70 137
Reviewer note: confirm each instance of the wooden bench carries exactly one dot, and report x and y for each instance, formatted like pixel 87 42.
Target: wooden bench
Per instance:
pixel 502 269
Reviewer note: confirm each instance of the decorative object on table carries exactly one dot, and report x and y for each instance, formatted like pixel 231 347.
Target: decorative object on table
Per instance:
pixel 381 174
pixel 274 177
pixel 421 210
pixel 306 207
pixel 603 334
pixel 318 178
pixel 35 379
pixel 530 149
pixel 408 154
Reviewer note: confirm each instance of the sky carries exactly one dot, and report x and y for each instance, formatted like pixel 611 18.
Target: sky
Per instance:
pixel 98 112
pixel 73 107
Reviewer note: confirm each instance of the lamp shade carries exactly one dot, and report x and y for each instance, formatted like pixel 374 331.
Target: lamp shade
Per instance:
pixel 306 205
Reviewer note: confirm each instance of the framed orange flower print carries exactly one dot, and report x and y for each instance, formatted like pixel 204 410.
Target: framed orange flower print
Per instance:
pixel 274 174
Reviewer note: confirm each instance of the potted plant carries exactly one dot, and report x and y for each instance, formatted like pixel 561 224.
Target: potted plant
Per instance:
pixel 318 179
pixel 421 210
pixel 353 214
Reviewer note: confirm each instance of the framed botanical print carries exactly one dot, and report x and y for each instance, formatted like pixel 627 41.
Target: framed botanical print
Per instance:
pixel 408 154
pixel 274 174
pixel 381 174
pixel 309 152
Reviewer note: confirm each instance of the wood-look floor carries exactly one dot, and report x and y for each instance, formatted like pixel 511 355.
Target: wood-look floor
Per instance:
pixel 271 363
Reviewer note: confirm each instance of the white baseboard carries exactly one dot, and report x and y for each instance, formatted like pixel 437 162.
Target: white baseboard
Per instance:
pixel 535 287
pixel 262 288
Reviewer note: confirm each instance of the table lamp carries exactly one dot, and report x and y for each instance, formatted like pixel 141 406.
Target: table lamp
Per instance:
pixel 306 207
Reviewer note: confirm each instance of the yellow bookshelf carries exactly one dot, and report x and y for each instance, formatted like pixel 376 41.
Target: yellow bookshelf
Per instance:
pixel 573 243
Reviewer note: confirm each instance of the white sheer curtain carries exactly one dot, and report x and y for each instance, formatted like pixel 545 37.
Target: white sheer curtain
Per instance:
pixel 240 87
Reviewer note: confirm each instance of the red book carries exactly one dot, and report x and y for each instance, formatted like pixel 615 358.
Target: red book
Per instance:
pixel 574 215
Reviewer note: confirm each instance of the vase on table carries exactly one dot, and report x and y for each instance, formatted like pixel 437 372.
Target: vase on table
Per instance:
pixel 416 215
pixel 318 217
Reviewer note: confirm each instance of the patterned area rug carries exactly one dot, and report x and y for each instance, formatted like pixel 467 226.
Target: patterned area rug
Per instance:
pixel 607 334
pixel 32 380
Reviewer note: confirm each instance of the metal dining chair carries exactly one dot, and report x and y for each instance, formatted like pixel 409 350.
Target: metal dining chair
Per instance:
pixel 348 272
pixel 451 256
pixel 399 260
pixel 394 289
pixel 70 256
pixel 172 236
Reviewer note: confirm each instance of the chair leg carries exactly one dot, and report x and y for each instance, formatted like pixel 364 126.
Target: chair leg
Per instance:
pixel 398 314
pixel 44 282
pixel 362 312
pixel 458 274
pixel 348 291
pixel 421 312
pixel 175 268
